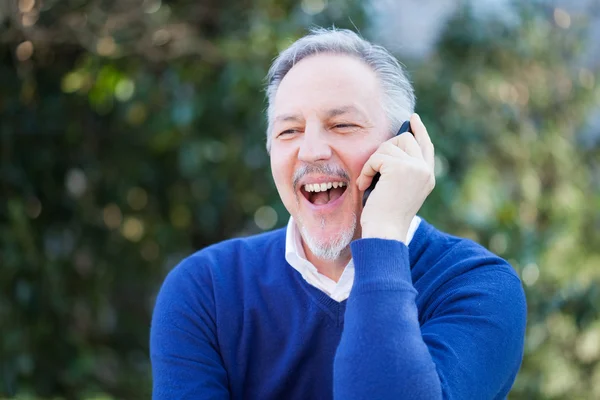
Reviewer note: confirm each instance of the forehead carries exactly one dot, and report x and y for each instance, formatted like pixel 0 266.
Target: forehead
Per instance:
pixel 326 82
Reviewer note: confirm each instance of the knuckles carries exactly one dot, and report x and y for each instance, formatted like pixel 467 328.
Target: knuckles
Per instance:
pixel 431 182
pixel 387 145
pixel 419 171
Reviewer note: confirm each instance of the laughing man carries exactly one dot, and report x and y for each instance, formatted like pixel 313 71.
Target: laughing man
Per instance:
pixel 346 302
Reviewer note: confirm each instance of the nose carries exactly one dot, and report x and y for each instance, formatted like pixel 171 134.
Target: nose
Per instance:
pixel 314 146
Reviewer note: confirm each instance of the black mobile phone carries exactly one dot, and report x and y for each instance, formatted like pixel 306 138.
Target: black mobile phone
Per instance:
pixel 404 128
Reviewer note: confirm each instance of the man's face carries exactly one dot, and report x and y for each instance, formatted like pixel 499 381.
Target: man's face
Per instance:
pixel 327 121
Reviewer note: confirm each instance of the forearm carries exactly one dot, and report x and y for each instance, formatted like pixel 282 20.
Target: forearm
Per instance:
pixel 381 352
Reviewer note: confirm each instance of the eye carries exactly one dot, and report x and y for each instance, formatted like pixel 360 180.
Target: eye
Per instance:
pixel 287 132
pixel 344 126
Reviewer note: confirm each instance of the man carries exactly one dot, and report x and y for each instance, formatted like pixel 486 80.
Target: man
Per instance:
pixel 346 302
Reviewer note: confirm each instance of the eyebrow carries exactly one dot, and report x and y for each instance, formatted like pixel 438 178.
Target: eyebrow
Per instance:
pixel 288 117
pixel 334 112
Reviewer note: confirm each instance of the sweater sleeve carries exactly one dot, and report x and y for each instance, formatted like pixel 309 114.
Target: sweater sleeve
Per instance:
pixel 186 363
pixel 385 353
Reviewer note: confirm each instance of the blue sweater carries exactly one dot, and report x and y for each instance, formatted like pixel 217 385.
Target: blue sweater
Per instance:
pixel 443 318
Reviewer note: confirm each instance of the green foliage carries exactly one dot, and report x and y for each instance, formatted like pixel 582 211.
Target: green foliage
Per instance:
pixel 133 134
pixel 507 107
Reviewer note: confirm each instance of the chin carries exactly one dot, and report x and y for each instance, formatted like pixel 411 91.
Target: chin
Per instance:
pixel 327 242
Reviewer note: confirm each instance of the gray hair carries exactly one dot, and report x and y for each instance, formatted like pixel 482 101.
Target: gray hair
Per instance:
pixel 398 93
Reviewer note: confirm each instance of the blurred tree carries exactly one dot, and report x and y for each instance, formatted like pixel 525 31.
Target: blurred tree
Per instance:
pixel 132 133
pixel 508 105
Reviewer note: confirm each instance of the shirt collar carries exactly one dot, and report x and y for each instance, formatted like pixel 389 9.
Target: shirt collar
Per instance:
pixel 294 250
pixel 296 257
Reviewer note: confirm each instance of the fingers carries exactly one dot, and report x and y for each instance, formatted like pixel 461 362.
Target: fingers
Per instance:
pixel 392 149
pixel 422 138
pixel 408 143
pixel 372 167
pixel 403 147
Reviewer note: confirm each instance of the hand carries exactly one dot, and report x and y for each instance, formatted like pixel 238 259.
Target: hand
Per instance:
pixel 406 165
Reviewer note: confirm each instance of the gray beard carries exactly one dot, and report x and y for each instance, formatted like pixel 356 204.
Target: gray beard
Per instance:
pixel 329 249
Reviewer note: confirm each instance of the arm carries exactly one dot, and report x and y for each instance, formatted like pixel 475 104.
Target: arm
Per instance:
pixel 385 353
pixel 186 363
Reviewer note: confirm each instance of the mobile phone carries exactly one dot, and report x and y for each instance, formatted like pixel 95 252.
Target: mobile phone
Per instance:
pixel 404 128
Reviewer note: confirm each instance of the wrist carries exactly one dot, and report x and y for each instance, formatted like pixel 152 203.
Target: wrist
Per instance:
pixel 386 232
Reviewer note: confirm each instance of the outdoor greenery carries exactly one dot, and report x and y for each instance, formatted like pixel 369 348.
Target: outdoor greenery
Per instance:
pixel 132 134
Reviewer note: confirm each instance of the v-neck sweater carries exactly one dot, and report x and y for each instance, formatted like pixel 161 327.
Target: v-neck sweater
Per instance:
pixel 296 257
pixel 441 318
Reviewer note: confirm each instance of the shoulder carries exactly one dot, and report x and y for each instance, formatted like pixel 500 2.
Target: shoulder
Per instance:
pixel 232 249
pixel 446 266
pixel 229 257
pixel 450 256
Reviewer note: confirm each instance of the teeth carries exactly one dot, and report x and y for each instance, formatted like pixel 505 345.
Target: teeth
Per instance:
pixel 321 187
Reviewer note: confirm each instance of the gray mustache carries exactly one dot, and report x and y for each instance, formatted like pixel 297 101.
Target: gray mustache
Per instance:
pixel 324 169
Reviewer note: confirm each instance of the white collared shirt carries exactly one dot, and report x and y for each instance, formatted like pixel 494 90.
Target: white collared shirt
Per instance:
pixel 295 256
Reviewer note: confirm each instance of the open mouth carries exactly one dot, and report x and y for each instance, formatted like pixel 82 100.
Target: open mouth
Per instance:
pixel 323 193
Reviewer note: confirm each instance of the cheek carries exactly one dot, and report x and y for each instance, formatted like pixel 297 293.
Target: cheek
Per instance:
pixel 281 169
pixel 359 157
pixel 277 169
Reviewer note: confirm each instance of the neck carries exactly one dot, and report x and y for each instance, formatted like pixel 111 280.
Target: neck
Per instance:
pixel 332 269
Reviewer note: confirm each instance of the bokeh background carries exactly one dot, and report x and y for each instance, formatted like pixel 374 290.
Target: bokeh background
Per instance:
pixel 132 134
